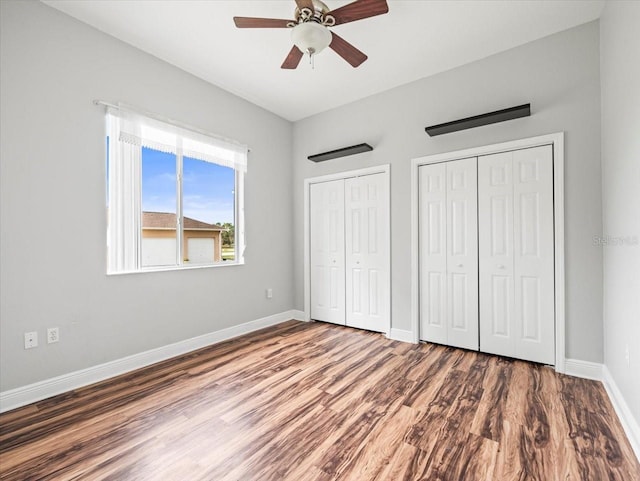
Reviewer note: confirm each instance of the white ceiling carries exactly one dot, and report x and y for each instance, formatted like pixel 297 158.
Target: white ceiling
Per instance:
pixel 417 38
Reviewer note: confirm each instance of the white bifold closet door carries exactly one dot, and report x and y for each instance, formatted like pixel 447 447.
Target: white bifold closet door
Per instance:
pixel 367 252
pixel 449 253
pixel 515 200
pixel 349 252
pixel 327 251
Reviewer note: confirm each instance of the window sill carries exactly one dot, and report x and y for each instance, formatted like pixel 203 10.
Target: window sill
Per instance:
pixel 147 270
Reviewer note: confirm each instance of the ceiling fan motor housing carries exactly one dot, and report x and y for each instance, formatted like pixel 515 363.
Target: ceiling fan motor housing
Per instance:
pixel 319 15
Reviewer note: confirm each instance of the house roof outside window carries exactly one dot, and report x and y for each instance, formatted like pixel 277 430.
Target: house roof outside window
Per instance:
pixel 166 220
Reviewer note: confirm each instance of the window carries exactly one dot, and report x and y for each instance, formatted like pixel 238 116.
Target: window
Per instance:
pixel 174 196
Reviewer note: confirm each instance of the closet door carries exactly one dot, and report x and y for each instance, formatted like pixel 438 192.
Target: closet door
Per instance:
pixel 449 253
pixel 367 252
pixel 495 219
pixel 515 192
pixel 433 252
pixel 327 251
pixel 533 246
pixel 462 253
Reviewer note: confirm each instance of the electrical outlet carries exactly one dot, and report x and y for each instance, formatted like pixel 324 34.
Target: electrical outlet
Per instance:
pixel 626 355
pixel 30 340
pixel 269 293
pixel 53 335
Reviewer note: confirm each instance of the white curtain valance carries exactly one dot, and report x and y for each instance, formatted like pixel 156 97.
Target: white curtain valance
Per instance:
pixel 142 131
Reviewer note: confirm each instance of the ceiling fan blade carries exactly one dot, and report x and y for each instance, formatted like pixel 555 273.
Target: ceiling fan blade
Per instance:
pixel 251 22
pixel 305 4
pixel 347 51
pixel 358 10
pixel 293 59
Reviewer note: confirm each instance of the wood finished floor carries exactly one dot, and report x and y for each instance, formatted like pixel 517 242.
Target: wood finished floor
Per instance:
pixel 312 401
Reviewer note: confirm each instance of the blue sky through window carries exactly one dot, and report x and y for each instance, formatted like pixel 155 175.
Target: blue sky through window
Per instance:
pixel 158 181
pixel 208 189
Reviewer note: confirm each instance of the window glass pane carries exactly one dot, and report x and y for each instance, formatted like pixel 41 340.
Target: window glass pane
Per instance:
pixel 158 220
pixel 209 212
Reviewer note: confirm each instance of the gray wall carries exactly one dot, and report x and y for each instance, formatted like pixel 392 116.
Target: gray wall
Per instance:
pixel 559 75
pixel 620 70
pixel 52 244
pixel 53 232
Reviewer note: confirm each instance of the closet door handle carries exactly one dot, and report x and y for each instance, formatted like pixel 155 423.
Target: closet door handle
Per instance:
pixel 460 265
pixel 501 266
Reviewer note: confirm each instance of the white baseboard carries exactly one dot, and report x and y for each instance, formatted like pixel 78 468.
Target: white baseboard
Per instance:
pixel 629 423
pixel 584 369
pixel 38 391
pixel 401 335
pixel 298 315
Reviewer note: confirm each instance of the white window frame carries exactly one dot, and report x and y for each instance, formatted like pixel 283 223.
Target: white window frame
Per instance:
pixel 178 131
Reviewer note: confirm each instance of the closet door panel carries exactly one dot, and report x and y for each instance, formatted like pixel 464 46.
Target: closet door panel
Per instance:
pixel 496 257
pixel 327 252
pixel 462 253
pixel 515 192
pixel 433 252
pixel 367 252
pixel 533 247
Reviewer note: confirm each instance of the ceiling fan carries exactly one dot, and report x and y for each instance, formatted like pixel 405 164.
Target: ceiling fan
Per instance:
pixel 310 29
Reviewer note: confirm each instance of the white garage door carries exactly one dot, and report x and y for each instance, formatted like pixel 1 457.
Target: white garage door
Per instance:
pixel 200 250
pixel 158 252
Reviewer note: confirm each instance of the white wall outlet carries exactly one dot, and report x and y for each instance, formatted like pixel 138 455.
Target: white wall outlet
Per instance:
pixel 53 335
pixel 269 293
pixel 30 340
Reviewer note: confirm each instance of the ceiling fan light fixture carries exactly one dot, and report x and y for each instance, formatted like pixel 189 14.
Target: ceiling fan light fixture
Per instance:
pixel 310 28
pixel 311 37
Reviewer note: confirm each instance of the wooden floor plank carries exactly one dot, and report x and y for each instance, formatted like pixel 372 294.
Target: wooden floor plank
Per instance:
pixel 404 464
pixel 318 402
pixel 455 448
pixel 382 443
pixel 491 409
